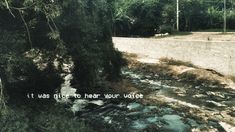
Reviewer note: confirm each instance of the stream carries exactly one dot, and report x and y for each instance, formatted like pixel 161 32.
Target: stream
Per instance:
pixel 135 116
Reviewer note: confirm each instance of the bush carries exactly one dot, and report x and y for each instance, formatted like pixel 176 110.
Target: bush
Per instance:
pixel 77 28
pixel 28 120
pixel 137 18
pixel 88 37
pixel 166 29
pixel 171 61
pixel 58 120
pixel 13 120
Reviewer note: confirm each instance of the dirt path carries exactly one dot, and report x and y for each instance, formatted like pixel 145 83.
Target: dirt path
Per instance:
pixel 208 50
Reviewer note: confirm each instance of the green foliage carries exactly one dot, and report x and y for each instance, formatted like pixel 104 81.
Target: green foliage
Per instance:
pixel 77 28
pixel 13 121
pixel 168 13
pixel 33 34
pixel 199 14
pixel 54 119
pixel 145 17
pixel 86 30
pixel 137 17
pixel 57 119
pixel 231 19
pixel 165 29
pixel 22 29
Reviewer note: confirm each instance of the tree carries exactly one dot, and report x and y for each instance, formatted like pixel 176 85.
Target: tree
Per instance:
pixel 55 30
pixel 137 17
pixel 147 17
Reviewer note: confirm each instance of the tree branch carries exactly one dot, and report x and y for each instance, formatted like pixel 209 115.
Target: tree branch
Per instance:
pixel 27 29
pixel 9 8
pixel 22 8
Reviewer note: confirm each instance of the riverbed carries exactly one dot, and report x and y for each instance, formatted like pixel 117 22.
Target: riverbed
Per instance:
pixel 171 107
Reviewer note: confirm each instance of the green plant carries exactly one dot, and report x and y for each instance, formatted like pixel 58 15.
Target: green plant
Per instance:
pixel 138 18
pixel 171 61
pixel 54 119
pixel 166 29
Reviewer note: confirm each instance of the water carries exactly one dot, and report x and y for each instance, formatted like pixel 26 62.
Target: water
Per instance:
pixel 139 117
pixel 175 124
pixel 135 116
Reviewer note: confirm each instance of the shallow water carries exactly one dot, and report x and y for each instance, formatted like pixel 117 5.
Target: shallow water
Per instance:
pixel 135 116
pixel 175 124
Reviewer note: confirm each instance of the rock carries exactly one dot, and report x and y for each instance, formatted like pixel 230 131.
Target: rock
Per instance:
pixel 227 127
pixel 192 123
pixel 108 119
pixel 152 128
pixel 232 113
pixel 79 105
pixel 139 124
pixel 174 124
pixel 213 104
pixel 134 106
pixel 152 119
pixel 97 102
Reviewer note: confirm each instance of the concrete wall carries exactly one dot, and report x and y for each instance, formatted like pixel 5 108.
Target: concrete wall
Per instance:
pixel 219 56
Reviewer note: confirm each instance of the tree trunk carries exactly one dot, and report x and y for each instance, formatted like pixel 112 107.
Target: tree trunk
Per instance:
pixel 3 82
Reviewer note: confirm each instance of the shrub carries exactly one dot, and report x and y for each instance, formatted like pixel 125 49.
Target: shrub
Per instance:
pixel 137 18
pixel 166 29
pixel 28 120
pixel 171 61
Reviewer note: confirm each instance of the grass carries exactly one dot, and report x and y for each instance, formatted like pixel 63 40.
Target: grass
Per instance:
pixel 167 70
pixel 232 78
pixel 181 33
pixel 171 61
pixel 227 33
pixel 130 55
pixel 215 30
pixel 192 77
pixel 196 80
